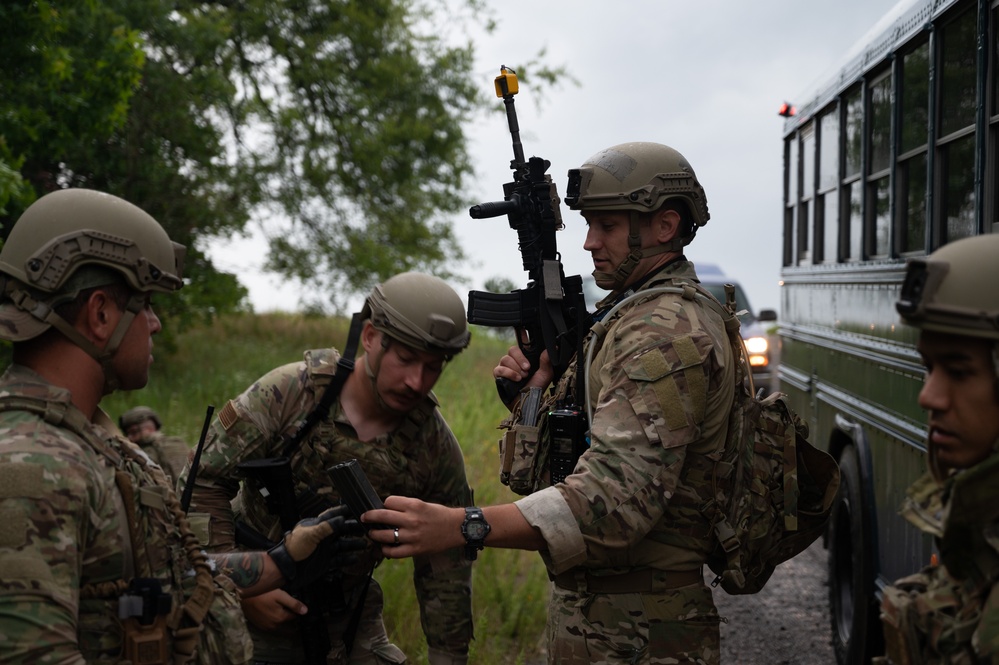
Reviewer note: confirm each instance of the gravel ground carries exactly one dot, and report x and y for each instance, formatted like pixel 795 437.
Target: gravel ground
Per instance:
pixel 787 623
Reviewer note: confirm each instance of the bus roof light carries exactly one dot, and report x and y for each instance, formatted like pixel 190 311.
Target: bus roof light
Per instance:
pixel 786 110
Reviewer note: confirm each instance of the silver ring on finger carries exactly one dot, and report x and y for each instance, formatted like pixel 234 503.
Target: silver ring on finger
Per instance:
pixel 396 533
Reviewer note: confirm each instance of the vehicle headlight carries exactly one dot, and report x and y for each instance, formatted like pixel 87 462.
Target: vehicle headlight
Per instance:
pixel 757 347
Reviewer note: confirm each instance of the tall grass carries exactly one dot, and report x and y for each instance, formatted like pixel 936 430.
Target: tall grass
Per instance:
pixel 214 363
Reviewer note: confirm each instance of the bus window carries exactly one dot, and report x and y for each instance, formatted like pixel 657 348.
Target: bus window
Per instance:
pixel 807 193
pixel 913 116
pixel 790 200
pixel 852 149
pixel 958 95
pixel 879 130
pixel 827 200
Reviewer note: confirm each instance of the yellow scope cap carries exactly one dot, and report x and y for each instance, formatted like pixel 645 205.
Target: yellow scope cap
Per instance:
pixel 506 82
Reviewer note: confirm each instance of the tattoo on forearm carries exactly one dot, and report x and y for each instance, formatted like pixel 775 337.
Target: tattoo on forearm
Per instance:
pixel 243 568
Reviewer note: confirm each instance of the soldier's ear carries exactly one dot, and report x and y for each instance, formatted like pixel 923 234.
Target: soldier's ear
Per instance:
pixel 666 224
pixel 99 317
pixel 370 337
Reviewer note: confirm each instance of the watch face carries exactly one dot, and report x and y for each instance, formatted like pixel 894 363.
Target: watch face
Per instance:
pixel 476 530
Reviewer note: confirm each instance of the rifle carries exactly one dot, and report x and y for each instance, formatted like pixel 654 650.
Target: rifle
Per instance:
pixel 551 310
pixel 273 475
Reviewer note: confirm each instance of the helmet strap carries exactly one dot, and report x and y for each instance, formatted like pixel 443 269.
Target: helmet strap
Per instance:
pixel 637 253
pixel 372 372
pixel 44 312
pixel 135 304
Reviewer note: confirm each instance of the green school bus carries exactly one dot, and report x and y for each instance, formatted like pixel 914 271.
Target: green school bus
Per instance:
pixel 891 158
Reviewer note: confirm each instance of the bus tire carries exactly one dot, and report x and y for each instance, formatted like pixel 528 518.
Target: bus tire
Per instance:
pixel 856 626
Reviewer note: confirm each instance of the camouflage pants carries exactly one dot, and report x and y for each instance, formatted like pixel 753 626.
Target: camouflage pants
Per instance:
pixel 666 627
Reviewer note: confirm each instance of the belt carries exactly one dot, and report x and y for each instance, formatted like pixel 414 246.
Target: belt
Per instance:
pixel 642 580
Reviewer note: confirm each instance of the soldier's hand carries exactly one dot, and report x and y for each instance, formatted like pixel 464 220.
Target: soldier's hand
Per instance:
pixel 271 610
pixel 316 544
pixel 515 367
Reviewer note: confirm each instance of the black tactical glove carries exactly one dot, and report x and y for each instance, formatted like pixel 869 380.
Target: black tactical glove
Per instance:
pixel 316 544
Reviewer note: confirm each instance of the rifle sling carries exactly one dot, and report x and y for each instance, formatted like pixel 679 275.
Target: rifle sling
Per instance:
pixel 344 366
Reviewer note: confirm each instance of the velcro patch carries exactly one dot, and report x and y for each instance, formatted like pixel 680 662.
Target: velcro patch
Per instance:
pixel 22 480
pixel 151 496
pixel 26 568
pixel 201 527
pixel 13 529
pixel 668 395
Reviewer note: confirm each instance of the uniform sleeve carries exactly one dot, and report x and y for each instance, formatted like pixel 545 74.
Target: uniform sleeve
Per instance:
pixel 50 511
pixel 443 581
pixel 246 428
pixel 650 408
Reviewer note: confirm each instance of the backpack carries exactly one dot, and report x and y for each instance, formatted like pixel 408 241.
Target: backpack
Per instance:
pixel 775 490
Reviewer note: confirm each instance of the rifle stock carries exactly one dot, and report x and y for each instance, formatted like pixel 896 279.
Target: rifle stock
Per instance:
pixel 550 313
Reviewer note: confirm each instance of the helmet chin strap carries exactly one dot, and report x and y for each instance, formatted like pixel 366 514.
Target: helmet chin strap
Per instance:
pixel 372 373
pixel 104 357
pixel 620 276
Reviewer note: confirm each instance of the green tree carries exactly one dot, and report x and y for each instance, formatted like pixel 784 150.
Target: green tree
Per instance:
pixel 339 123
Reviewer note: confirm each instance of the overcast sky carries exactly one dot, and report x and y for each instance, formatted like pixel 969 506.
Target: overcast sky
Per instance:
pixel 705 77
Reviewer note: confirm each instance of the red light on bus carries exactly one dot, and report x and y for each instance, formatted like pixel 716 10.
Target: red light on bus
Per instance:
pixel 786 110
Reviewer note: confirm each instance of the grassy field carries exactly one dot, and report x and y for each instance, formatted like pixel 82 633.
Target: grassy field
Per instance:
pixel 215 363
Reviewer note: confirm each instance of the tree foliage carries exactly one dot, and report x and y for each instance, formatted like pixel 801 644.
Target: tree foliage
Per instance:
pixel 338 125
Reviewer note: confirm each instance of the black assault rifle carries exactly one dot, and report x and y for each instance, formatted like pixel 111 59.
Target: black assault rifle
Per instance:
pixel 550 310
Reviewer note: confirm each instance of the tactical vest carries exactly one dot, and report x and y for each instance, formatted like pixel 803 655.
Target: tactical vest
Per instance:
pixel 169 609
pixel 949 613
pixel 525 450
pixel 386 466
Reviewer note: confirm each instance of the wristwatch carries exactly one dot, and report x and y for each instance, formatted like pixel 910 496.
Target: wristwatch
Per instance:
pixel 474 528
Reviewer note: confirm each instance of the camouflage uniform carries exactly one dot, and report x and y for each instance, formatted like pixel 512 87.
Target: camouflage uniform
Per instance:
pixel 949 613
pixel 626 542
pixel 421 459
pixel 83 513
pixel 170 452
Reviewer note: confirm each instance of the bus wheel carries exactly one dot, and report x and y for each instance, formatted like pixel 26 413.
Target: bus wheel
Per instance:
pixel 856 626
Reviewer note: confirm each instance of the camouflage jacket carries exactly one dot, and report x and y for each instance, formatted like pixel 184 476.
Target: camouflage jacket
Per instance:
pixel 660 383
pixel 420 459
pixel 84 512
pixel 949 613
pixel 170 452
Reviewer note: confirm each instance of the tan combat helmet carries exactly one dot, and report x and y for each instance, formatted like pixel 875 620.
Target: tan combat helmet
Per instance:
pixel 420 311
pixel 640 178
pixel 138 415
pixel 955 289
pixel 74 239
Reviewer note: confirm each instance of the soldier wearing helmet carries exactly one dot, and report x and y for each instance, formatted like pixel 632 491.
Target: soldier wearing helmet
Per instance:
pixel 949 612
pixel 143 426
pixel 386 417
pixel 100 565
pixel 623 537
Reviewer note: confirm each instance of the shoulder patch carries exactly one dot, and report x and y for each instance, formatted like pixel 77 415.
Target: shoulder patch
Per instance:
pixel 228 416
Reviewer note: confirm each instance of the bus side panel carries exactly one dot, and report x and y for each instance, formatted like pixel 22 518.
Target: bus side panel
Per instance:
pixel 856 382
